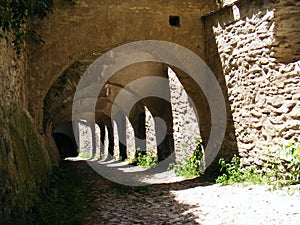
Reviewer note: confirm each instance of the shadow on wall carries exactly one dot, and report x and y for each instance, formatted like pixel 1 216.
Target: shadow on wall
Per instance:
pixel 229 146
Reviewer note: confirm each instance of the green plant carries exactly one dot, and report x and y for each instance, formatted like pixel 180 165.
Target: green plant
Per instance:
pixel 293 151
pixel 281 169
pixel 232 172
pixel 17 16
pixel 83 155
pixel 131 160
pixel 144 159
pixel 193 165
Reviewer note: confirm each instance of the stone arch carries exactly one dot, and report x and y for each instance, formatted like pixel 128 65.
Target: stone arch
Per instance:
pixel 118 82
pixel 75 48
pixel 90 28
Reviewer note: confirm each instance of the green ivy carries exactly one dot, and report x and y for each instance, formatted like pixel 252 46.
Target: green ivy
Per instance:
pixel 16 16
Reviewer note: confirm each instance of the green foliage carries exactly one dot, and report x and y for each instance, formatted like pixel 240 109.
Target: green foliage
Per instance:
pixel 61 204
pixel 282 168
pixel 16 16
pixel 233 172
pixel 284 164
pixel 131 161
pixel 193 165
pixel 144 159
pixel 83 155
pixel 293 150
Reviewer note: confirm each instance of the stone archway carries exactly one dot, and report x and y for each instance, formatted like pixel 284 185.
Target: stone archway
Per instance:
pixel 72 49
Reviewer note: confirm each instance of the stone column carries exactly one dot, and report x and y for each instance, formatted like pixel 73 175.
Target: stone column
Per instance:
pixel 116 140
pixel 121 123
pixel 85 139
pixel 97 137
pixel 111 143
pixel 151 145
pixel 93 136
pixel 130 140
pixel 103 132
pixel 185 121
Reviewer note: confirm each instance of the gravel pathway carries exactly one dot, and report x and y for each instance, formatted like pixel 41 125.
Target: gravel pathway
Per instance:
pixel 187 202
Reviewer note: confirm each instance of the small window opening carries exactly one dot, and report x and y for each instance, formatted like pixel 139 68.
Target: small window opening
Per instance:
pixel 174 21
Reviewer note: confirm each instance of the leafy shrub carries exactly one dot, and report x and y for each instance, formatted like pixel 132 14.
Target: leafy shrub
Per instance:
pixel 144 159
pixel 283 165
pixel 16 16
pixel 282 168
pixel 232 172
pixel 193 165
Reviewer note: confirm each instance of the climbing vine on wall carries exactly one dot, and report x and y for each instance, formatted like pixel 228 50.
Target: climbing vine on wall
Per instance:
pixel 16 16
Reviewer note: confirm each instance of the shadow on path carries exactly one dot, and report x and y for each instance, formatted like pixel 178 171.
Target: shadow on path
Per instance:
pixel 107 202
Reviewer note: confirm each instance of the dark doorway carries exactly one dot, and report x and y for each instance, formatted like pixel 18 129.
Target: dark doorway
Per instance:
pixel 65 145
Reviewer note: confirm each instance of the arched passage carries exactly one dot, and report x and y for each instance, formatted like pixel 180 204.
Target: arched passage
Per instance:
pixel 63 91
pixel 66 147
pixel 70 55
pixel 90 28
pixel 64 138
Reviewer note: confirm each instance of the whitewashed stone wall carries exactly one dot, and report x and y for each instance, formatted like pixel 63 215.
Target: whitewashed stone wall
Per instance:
pixel 264 94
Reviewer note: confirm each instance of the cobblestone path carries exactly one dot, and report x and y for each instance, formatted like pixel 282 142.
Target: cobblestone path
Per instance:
pixel 187 202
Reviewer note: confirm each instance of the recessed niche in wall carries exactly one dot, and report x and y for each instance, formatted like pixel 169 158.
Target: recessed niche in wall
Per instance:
pixel 174 21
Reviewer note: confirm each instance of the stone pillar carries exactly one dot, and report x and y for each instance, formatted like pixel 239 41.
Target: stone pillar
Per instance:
pixel 121 123
pixel 130 140
pixel 116 140
pixel 185 120
pixel 97 137
pixel 151 145
pixel 85 139
pixel 93 136
pixel 102 140
pixel 111 143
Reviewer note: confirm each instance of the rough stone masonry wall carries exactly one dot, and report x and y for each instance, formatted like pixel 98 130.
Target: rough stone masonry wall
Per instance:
pixel 287 30
pixel 12 69
pixel 264 94
pixel 24 163
pixel 185 122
